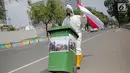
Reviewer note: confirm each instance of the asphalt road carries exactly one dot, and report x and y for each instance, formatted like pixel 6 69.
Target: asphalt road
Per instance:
pixel 108 53
pixel 104 52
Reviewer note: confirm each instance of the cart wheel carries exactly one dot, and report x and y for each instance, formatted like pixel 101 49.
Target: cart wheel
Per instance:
pixel 59 72
pixel 75 70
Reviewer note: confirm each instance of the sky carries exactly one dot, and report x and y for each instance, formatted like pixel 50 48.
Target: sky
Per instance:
pixel 17 10
pixel 98 4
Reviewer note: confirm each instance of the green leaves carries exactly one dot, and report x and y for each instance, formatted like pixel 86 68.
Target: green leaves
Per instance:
pixel 77 11
pixel 112 10
pixel 100 15
pixel 2 11
pixel 53 12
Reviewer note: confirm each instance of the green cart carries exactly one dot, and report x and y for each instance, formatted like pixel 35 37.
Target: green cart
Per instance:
pixel 62 48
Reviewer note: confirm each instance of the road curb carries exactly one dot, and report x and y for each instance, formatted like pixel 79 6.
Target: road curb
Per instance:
pixel 22 42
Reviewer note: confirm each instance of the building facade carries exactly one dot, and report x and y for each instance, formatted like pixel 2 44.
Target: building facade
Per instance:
pixel 16 12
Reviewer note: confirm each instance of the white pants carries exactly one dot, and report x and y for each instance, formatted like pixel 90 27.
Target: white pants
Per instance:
pixel 78 45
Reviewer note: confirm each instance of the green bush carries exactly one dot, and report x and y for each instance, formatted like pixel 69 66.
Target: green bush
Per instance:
pixel 12 28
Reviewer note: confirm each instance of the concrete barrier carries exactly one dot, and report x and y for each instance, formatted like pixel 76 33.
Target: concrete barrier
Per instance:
pixel 16 36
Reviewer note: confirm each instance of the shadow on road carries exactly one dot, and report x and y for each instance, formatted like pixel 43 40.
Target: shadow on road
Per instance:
pixel 87 55
pixel 45 71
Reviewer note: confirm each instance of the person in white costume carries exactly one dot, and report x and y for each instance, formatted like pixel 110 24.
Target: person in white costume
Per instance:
pixel 77 22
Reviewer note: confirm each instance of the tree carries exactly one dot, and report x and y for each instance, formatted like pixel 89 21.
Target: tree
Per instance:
pixel 2 11
pixel 59 13
pixel 128 12
pixel 104 18
pixel 112 6
pixel 53 12
pixel 77 11
pixel 8 27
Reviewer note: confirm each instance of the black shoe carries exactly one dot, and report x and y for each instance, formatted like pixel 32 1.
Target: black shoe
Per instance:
pixel 78 68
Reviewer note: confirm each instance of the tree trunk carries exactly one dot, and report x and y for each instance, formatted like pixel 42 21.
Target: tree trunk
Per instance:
pixel 46 31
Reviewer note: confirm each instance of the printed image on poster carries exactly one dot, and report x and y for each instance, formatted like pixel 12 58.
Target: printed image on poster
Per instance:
pixel 59 43
pixel 72 42
pixel 62 44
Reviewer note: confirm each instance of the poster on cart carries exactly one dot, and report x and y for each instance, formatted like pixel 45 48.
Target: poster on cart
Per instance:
pixel 72 42
pixel 62 43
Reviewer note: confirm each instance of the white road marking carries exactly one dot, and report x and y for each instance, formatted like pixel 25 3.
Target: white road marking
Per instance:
pixel 28 65
pixel 94 37
pixel 48 56
pixel 91 38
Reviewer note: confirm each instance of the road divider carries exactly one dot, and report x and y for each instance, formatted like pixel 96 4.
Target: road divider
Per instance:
pixel 22 42
pixel 2 46
pixel 8 45
pixel 14 44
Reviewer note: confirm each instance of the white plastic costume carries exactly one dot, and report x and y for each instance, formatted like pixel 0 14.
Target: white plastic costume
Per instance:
pixel 76 21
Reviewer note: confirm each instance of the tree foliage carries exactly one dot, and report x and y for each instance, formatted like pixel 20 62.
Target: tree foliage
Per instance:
pixel 104 18
pixel 59 14
pixel 112 6
pixel 2 11
pixel 52 12
pixel 8 27
pixel 77 11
